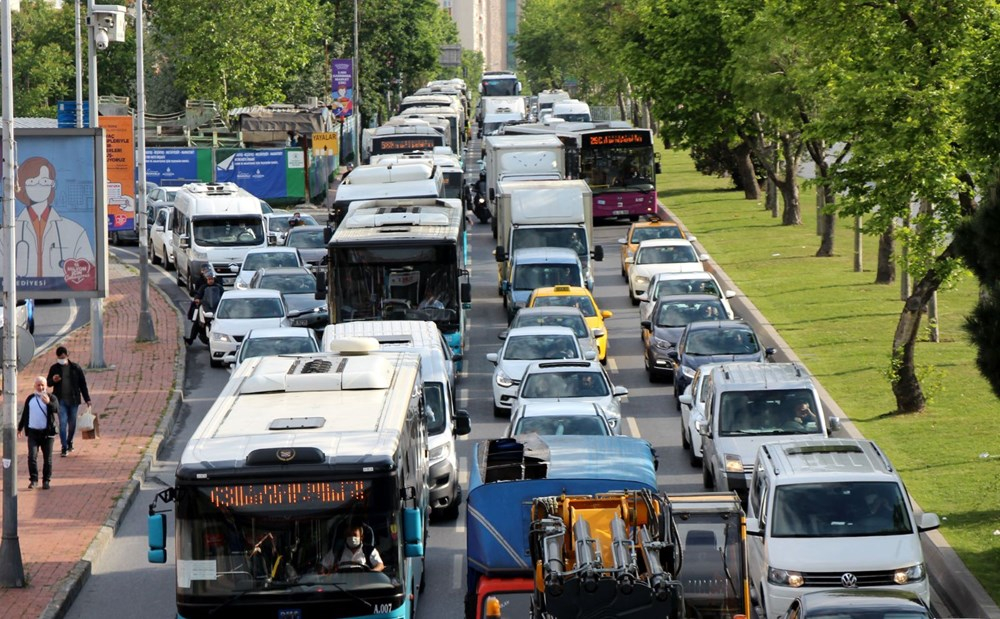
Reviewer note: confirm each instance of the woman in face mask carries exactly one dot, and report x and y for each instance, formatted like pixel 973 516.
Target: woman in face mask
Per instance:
pixel 353 555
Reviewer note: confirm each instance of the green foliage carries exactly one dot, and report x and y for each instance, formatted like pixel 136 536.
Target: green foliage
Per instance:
pixel 43 62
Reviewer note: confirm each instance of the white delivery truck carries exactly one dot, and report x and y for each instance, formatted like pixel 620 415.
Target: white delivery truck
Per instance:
pixel 538 213
pixel 214 224
pixel 571 110
pixel 494 112
pixel 520 157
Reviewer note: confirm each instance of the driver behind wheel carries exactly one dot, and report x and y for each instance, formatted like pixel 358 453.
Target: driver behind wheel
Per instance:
pixel 353 554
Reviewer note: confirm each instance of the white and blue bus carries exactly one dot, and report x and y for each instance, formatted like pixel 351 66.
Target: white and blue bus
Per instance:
pixel 403 259
pixel 296 453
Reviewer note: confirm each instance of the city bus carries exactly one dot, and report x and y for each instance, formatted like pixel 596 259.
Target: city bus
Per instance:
pixel 616 159
pixel 298 454
pixel 402 259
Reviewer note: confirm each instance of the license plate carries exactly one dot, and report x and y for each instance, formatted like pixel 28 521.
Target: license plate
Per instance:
pixel 619 212
pixel 290 613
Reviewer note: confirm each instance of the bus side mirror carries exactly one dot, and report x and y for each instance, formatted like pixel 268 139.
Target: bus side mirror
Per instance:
pixel 465 291
pixel 501 254
pixel 184 242
pixel 413 533
pixel 320 286
pixel 599 253
pixel 327 234
pixel 463 423
pixel 657 167
pixel 157 533
pixel 493 195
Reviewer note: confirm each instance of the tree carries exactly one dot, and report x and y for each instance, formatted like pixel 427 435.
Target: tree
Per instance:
pixel 43 65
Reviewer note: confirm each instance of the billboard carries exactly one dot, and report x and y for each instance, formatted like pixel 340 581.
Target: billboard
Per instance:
pixel 60 209
pixel 120 147
pixel 171 167
pixel 342 70
pixel 262 172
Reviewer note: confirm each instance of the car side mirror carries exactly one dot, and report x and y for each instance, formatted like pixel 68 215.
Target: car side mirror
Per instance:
pixel 184 242
pixel 702 428
pixel 704 257
pixel 672 354
pixel 597 332
pixel 493 358
pixel 629 260
pixel 753 526
pixel 833 423
pixel 622 242
pixel 769 352
pixel 272 239
pixel 691 237
pixel 646 324
pixel 590 355
pixel 463 423
pixel 598 253
pixel 502 335
pixel 607 313
pixel 928 522
pixel 620 391
pixel 642 297
pixel 685 398
pixel 730 294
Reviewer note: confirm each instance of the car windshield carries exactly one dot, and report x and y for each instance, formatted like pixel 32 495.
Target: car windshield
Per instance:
pixel 768 411
pixel 576 323
pixel 721 342
pixel 667 287
pixel 531 276
pixel 589 425
pixel 581 302
pixel 569 384
pixel 280 224
pixel 540 346
pixel 680 313
pixel 840 509
pixel 265 346
pixel 247 309
pixel 265 260
pixel 307 239
pixel 289 283
pixel 671 254
pixel 228 232
pixel 646 233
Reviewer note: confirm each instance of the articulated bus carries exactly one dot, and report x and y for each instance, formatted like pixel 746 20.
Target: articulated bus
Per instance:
pixel 616 159
pixel 402 259
pixel 297 454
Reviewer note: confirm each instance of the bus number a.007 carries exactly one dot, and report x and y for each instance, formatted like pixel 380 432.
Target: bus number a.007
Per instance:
pixel 619 139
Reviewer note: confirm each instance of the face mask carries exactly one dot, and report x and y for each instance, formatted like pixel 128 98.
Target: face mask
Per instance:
pixel 62 361
pixel 353 542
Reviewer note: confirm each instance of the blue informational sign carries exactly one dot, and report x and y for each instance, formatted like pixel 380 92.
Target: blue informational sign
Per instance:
pixel 261 172
pixel 60 214
pixel 171 166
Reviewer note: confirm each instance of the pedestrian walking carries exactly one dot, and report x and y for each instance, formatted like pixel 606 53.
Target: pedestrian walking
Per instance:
pixel 69 385
pixel 38 421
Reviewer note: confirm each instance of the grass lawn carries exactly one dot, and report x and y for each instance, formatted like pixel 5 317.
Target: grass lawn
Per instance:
pixel 841 325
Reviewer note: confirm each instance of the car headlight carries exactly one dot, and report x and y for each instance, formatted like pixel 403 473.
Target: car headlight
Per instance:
pixel 199 255
pixel 503 380
pixel 240 285
pixel 913 573
pixel 641 280
pixel 787 578
pixel 440 453
pixel 734 464
pixel 687 372
pixel 663 344
pixel 221 337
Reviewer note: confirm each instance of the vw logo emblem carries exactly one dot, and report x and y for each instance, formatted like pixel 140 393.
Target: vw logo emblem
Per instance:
pixel 286 455
pixel 849 580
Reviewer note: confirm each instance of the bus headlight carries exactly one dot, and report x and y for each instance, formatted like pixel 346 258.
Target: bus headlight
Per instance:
pixel 906 575
pixel 787 578
pixel 503 380
pixel 440 453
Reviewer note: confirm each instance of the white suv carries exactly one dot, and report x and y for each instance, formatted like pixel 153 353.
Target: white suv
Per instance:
pixel 830 514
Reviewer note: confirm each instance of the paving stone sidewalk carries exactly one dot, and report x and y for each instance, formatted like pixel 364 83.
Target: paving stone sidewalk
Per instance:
pixel 57 526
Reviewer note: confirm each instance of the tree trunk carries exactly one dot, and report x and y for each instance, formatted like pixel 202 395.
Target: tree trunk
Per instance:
pixel 621 105
pixel 829 221
pixel 885 272
pixel 771 201
pixel 789 187
pixel 905 384
pixel 747 172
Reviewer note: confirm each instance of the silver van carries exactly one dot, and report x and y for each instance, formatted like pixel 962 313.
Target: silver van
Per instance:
pixel 749 404
pixel 444 421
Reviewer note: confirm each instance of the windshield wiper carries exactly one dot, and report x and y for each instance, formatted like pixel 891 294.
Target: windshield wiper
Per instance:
pixel 354 596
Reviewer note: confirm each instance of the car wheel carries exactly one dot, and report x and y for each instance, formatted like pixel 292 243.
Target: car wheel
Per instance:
pixel 633 218
pixel 706 477
pixel 152 255
pixel 624 273
pixel 694 459
pixel 451 512
pixel 493 226
pixel 168 264
pixel 180 283
pixel 604 359
pixel 215 363
pixel 685 441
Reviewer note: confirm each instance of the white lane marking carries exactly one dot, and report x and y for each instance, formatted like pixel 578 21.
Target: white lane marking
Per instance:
pixel 463 471
pixel 458 570
pixel 633 427
pixel 612 365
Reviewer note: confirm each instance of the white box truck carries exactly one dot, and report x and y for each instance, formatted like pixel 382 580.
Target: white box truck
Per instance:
pixel 520 157
pixel 540 213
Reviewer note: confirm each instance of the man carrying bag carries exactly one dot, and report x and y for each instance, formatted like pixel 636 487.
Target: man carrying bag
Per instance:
pixel 38 421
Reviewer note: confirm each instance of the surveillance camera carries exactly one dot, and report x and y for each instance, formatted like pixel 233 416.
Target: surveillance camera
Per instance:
pixel 101 39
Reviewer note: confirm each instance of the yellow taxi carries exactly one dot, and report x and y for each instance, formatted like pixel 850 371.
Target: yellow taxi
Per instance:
pixel 654 228
pixel 579 297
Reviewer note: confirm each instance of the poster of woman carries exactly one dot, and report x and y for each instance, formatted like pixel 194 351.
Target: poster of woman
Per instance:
pixel 56 213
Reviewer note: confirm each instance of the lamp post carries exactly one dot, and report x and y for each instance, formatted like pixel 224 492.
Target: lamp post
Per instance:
pixel 147 332
pixel 356 146
pixel 11 564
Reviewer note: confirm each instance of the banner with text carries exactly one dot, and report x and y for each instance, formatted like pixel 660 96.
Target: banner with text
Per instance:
pixel 120 146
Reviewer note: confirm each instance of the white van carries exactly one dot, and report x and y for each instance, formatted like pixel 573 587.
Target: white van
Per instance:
pixel 571 110
pixel 216 224
pixel 444 421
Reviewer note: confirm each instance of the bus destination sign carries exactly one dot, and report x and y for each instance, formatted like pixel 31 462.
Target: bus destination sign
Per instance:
pixel 296 494
pixel 404 144
pixel 619 138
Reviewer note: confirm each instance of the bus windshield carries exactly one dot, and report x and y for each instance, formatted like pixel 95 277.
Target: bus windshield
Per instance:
pixel 242 537
pixel 230 232
pixel 615 168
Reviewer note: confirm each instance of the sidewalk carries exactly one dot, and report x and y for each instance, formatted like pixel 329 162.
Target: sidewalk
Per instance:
pixel 61 529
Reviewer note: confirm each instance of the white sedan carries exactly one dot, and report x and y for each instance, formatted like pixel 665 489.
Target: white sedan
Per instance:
pixel 693 411
pixel 559 419
pixel 523 346
pixel 660 256
pixel 265 257
pixel 238 312
pixel 662 284
pixel 576 381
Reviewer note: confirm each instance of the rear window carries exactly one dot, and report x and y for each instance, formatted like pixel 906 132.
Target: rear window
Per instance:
pixel 565 385
pixel 666 255
pixel 573 425
pixel 582 303
pixel 576 323
pixel 656 232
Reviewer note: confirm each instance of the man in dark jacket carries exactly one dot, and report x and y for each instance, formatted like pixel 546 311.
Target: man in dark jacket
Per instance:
pixel 68 384
pixel 38 421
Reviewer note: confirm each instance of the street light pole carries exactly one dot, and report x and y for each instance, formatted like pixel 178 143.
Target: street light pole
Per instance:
pixel 147 332
pixel 356 146
pixel 96 304
pixel 79 68
pixel 11 564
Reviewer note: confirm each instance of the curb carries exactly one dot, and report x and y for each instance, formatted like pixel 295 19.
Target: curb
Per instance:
pixel 950 579
pixel 69 588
